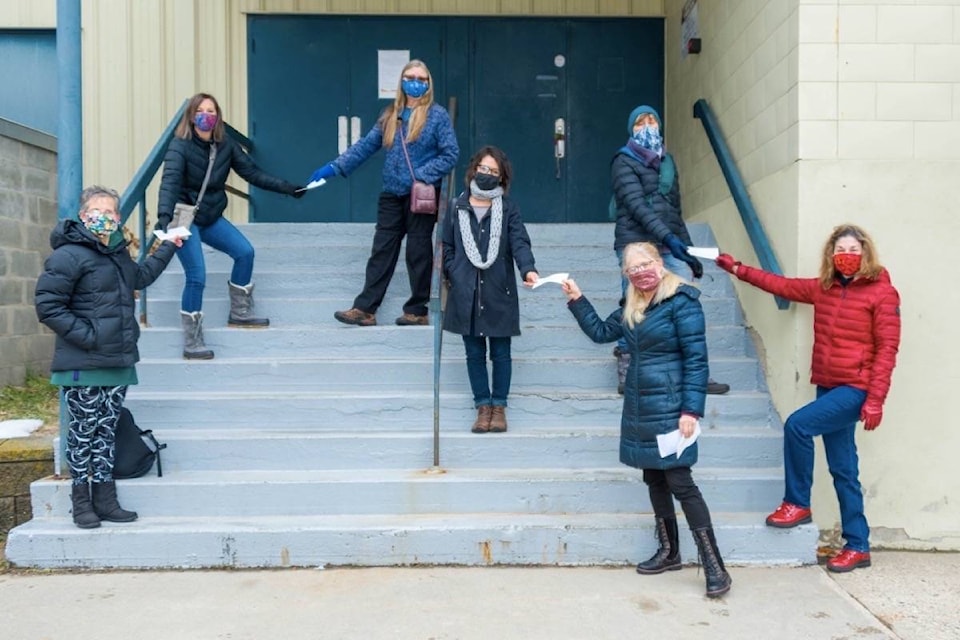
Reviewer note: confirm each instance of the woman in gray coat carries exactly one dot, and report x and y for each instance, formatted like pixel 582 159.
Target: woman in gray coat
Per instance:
pixel 482 239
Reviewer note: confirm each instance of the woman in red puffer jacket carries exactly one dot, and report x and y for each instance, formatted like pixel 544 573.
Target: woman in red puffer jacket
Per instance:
pixel 856 335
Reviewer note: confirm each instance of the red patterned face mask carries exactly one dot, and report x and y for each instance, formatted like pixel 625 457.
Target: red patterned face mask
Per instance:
pixel 847 263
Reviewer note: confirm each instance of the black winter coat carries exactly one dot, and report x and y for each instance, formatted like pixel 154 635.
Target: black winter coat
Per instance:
pixel 667 375
pixel 85 295
pixel 184 167
pixel 486 298
pixel 643 213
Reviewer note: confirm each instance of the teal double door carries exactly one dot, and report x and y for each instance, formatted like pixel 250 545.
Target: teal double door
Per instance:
pixel 555 94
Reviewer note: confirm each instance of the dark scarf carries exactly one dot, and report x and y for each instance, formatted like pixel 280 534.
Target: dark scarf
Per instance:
pixel 665 165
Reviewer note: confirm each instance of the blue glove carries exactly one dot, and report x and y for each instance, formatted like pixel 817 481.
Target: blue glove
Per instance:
pixel 679 251
pixel 325 172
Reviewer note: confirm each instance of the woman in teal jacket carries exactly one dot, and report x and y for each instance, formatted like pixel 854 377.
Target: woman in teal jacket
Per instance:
pixel 666 384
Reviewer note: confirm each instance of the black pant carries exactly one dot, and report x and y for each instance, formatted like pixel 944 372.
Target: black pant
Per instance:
pixel 394 220
pixel 664 484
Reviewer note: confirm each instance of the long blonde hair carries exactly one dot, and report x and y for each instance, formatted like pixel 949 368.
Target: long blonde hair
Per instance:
pixel 636 306
pixel 870 266
pixel 418 116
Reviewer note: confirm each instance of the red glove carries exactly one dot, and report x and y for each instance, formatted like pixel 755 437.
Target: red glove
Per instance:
pixel 726 262
pixel 871 413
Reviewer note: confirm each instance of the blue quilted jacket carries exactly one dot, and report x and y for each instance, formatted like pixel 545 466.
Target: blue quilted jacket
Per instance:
pixel 433 154
pixel 667 374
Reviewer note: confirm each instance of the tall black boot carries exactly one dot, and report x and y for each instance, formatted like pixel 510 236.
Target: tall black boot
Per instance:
pixel 718 580
pixel 106 506
pixel 667 557
pixel 83 514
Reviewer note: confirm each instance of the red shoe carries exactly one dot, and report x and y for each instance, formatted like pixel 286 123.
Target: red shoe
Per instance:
pixel 848 560
pixel 788 515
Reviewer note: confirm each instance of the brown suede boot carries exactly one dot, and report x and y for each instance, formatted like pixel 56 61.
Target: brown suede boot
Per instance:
pixel 498 421
pixel 482 423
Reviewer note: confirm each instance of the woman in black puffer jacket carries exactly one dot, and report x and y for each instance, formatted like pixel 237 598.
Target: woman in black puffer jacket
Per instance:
pixel 201 139
pixel 86 296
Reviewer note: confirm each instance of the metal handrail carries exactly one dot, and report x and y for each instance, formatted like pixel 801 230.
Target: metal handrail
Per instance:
pixel 751 221
pixel 135 194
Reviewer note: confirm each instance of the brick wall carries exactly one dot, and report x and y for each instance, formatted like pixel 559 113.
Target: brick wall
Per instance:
pixel 28 211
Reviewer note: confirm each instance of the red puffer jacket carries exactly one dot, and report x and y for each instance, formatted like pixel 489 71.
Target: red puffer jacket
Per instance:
pixel 856 328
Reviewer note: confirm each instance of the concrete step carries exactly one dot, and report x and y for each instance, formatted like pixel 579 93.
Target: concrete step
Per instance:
pixel 363 409
pixel 337 372
pixel 390 540
pixel 393 341
pixel 413 491
pixel 278 450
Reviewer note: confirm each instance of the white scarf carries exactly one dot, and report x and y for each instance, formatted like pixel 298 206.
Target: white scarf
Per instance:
pixel 495 195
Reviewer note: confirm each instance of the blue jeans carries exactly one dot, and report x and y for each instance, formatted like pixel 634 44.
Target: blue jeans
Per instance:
pixel 222 236
pixel 679 267
pixel 476 348
pixel 834 416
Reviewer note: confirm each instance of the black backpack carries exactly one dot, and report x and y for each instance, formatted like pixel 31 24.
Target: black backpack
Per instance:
pixel 136 449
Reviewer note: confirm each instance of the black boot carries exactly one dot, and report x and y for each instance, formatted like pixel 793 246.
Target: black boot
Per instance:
pixel 667 557
pixel 83 514
pixel 106 506
pixel 623 363
pixel 718 580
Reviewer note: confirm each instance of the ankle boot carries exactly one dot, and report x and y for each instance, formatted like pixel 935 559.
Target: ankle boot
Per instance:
pixel 623 363
pixel 482 423
pixel 718 580
pixel 667 557
pixel 83 514
pixel 498 419
pixel 193 347
pixel 241 307
pixel 106 506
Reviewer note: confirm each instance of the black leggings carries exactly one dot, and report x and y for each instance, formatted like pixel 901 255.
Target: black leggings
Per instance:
pixel 665 484
pixel 93 414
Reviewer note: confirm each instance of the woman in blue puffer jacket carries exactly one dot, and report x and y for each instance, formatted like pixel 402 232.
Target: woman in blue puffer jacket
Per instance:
pixel 663 325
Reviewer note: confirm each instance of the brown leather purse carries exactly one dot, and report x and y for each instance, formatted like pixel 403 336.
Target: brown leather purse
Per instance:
pixel 423 196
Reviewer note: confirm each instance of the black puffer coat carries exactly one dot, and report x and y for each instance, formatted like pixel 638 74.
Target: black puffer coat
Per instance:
pixel 643 213
pixel 487 298
pixel 85 295
pixel 184 167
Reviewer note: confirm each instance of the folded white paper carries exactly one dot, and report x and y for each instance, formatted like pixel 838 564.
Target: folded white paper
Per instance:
pixel 170 234
pixel 707 253
pixel 313 185
pixel 554 277
pixel 673 443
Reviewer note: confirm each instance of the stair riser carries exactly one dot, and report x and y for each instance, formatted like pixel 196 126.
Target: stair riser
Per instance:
pixel 612 492
pixel 118 546
pixel 527 413
pixel 351 375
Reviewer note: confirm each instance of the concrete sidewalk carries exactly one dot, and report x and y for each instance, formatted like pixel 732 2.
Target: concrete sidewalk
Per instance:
pixel 911 596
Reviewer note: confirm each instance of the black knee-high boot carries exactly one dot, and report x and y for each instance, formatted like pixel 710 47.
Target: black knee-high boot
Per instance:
pixel 718 580
pixel 667 557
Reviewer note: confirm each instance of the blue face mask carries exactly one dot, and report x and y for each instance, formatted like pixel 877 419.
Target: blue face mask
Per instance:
pixel 205 121
pixel 649 137
pixel 414 88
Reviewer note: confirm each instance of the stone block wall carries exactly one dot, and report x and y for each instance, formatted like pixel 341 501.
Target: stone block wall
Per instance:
pixel 28 211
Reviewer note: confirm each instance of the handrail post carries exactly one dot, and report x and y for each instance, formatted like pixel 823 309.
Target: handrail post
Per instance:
pixel 751 221
pixel 144 252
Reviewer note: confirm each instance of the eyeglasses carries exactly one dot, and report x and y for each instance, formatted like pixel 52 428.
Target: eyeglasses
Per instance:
pixel 643 266
pixel 420 78
pixel 490 171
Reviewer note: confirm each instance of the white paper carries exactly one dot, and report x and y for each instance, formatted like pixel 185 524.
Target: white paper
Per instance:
pixel 673 443
pixel 19 428
pixel 390 62
pixel 707 253
pixel 171 234
pixel 313 185
pixel 555 277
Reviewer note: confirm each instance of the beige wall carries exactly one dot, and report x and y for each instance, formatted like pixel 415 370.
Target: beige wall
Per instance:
pixel 843 111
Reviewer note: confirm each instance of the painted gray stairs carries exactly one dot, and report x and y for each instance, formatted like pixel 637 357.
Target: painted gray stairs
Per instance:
pixel 310 442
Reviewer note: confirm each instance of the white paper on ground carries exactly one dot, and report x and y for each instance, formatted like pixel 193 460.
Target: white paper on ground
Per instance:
pixel 707 253
pixel 170 234
pixel 673 443
pixel 19 428
pixel 313 185
pixel 554 277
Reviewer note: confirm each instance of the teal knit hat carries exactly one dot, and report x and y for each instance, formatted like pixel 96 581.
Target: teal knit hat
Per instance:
pixel 639 111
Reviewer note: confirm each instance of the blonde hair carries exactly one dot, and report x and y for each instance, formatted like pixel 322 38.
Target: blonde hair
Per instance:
pixel 870 266
pixel 636 306
pixel 418 115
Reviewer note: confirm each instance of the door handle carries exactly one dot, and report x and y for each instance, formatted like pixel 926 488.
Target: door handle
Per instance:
pixel 559 142
pixel 354 129
pixel 341 134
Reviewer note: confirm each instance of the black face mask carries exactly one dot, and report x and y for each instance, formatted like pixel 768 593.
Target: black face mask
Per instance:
pixel 486 181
